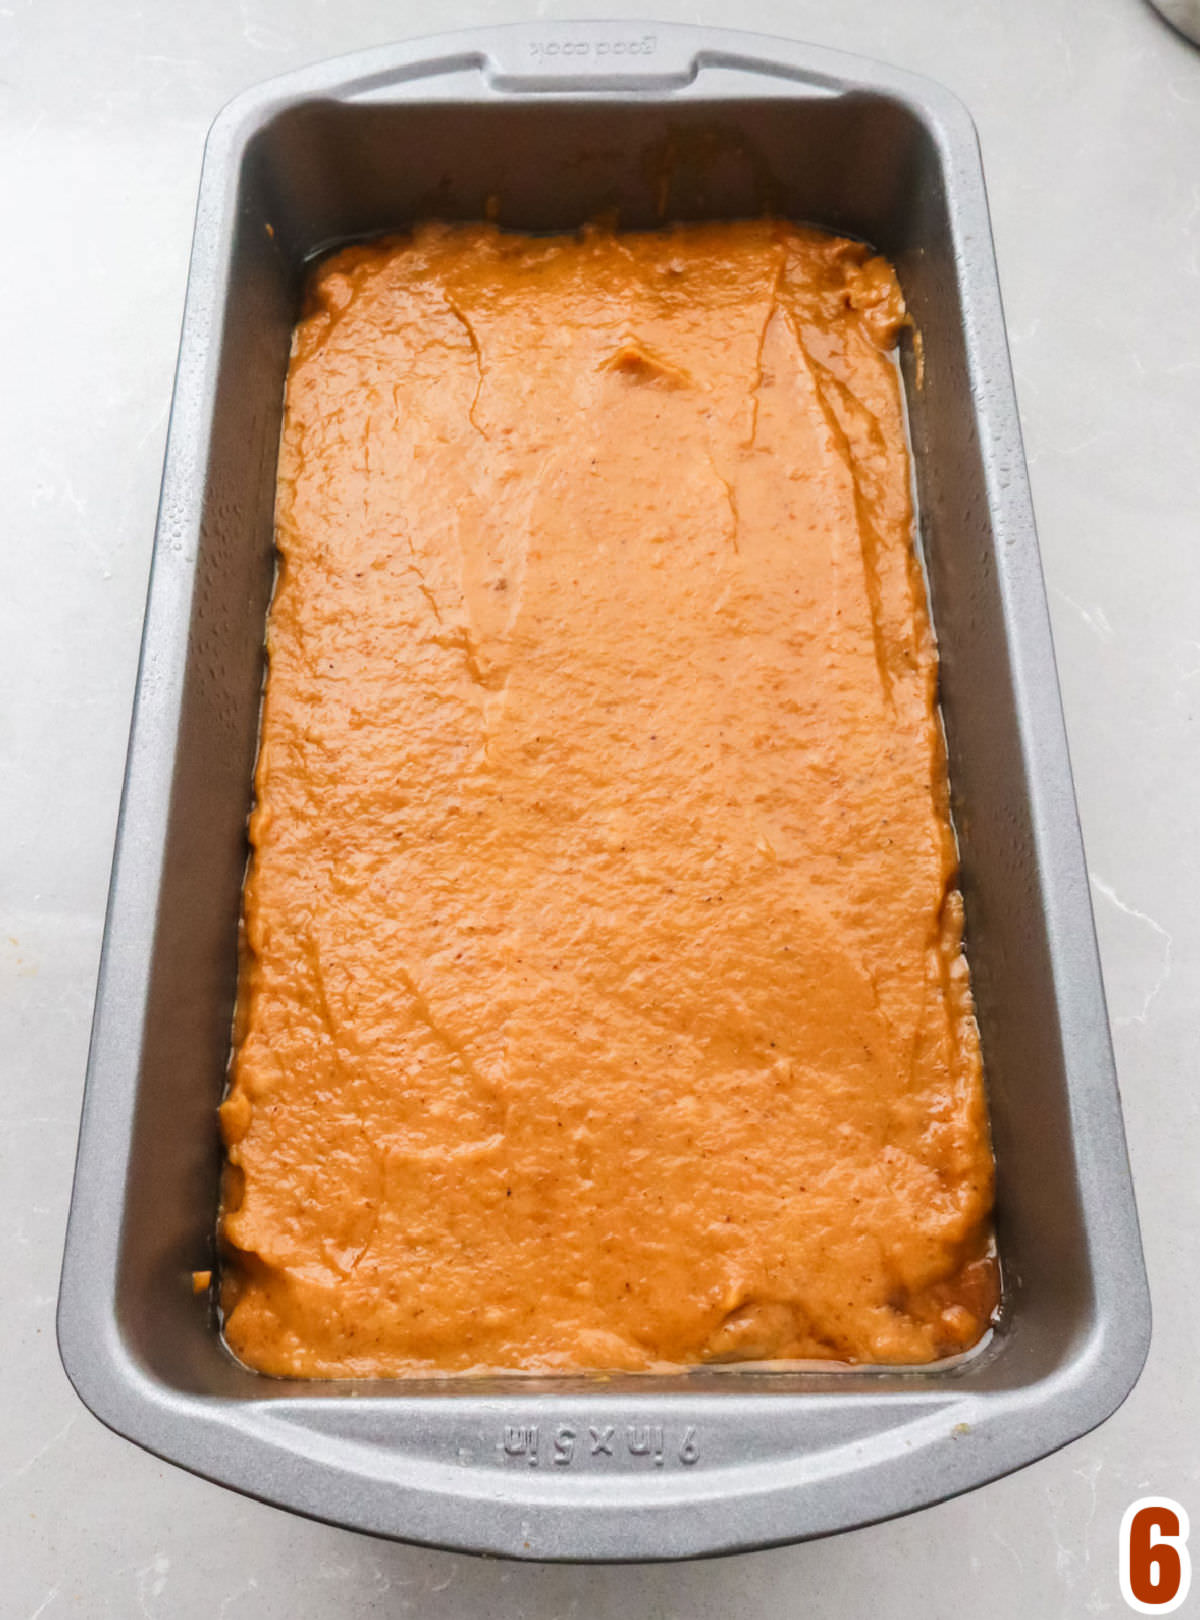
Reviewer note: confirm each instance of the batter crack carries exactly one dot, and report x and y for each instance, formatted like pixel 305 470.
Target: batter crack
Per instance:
pixel 772 308
pixel 425 1014
pixel 870 542
pixel 731 498
pixel 477 352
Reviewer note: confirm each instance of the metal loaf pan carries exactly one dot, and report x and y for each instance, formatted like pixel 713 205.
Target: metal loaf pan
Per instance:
pixel 560 122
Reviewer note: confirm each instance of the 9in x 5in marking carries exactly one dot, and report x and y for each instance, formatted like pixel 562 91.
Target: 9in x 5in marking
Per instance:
pixel 567 1442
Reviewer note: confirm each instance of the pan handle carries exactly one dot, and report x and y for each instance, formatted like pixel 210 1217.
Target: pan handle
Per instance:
pixel 585 58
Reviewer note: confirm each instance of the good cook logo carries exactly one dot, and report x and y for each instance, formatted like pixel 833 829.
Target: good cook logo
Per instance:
pixel 547 50
pixel 1154 1565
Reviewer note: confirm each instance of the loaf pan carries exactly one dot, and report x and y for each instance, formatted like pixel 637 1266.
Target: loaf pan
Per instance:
pixel 554 124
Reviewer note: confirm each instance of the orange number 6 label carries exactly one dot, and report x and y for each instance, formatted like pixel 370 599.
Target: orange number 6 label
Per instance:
pixel 1155 1567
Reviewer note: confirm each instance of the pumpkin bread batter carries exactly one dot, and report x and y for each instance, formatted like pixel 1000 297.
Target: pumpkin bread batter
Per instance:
pixel 603 1000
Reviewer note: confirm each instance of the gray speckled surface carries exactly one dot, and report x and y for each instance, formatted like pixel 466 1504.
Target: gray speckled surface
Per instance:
pixel 1090 122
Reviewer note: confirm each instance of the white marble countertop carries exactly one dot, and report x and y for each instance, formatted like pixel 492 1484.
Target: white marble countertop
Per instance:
pixel 1089 112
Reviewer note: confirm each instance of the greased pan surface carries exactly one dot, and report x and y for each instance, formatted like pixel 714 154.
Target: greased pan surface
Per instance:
pixel 560 122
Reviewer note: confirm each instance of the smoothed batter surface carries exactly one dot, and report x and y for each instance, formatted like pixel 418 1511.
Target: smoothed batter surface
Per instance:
pixel 603 999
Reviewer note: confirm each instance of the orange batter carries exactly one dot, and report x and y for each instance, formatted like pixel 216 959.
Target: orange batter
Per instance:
pixel 604 1002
